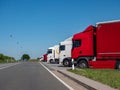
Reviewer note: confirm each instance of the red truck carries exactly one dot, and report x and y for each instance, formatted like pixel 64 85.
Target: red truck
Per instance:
pixel 45 57
pixel 98 46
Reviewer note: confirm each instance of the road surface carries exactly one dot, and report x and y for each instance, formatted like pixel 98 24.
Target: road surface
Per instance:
pixel 28 76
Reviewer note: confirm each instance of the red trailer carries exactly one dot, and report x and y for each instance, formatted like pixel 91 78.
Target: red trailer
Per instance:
pixel 98 46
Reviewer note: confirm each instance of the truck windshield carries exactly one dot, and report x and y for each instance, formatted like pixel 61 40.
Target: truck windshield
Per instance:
pixel 76 43
pixel 62 47
pixel 49 51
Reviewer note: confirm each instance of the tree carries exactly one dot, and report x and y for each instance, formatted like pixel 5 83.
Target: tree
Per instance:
pixel 25 57
pixel 4 58
pixel 1 57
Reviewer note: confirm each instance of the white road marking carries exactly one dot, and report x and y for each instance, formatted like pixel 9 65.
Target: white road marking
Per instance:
pixel 57 77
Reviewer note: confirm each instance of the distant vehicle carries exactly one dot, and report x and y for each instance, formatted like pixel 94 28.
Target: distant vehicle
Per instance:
pixel 98 46
pixel 45 57
pixel 53 54
pixel 50 55
pixel 40 59
pixel 65 52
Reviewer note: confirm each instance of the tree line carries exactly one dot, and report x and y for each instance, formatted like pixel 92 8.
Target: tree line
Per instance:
pixel 6 59
pixel 9 59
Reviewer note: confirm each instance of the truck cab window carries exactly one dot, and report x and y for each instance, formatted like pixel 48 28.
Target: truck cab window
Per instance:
pixel 76 43
pixel 49 51
pixel 62 47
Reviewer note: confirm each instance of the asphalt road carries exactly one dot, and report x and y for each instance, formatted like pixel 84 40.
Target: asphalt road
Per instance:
pixel 28 76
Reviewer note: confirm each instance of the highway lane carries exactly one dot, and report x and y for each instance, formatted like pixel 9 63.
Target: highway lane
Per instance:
pixel 28 76
pixel 6 65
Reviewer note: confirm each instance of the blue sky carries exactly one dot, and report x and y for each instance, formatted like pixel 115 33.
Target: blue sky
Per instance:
pixel 31 26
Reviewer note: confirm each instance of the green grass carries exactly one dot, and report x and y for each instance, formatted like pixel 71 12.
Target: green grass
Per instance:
pixel 106 76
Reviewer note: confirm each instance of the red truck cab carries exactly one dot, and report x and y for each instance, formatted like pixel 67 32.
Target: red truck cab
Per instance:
pixel 98 46
pixel 45 57
pixel 83 43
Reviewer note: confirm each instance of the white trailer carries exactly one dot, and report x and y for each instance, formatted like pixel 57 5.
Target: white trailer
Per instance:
pixel 65 52
pixel 53 54
pixel 56 53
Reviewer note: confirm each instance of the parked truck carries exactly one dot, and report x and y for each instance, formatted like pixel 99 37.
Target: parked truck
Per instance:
pixel 53 54
pixel 45 57
pixel 98 46
pixel 65 52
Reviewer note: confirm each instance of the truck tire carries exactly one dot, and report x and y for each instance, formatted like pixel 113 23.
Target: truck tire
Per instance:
pixel 118 65
pixel 51 60
pixel 82 64
pixel 66 63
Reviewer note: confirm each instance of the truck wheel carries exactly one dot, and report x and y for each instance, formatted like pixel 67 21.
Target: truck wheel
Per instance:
pixel 51 60
pixel 118 65
pixel 82 64
pixel 66 63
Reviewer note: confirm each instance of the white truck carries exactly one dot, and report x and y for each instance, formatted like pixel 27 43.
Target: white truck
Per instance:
pixel 53 54
pixel 65 52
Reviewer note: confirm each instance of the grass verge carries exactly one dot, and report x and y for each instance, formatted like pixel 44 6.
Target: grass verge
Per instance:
pixel 105 76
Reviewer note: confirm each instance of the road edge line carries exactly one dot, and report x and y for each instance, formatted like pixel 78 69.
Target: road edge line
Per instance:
pixel 57 78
